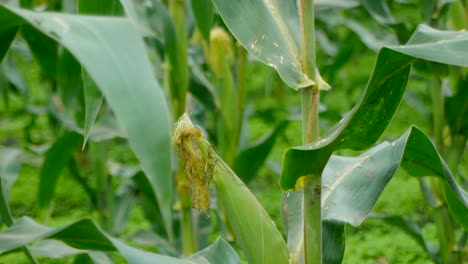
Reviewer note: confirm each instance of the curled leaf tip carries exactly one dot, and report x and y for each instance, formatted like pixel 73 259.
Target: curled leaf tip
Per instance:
pixel 198 169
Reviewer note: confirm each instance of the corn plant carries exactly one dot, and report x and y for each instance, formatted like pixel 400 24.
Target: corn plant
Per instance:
pixel 323 192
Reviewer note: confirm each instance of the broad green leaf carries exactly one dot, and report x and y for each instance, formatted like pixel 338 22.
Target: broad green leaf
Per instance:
pixel 366 122
pixel 344 177
pixel 57 157
pixel 360 128
pixel 93 97
pixel 272 34
pixel 448 47
pixel 6 38
pixel 257 234
pixel 123 73
pixel 249 160
pixel 203 13
pixel 54 249
pixel 10 163
pixel 85 235
pixel 155 20
pixel 270 30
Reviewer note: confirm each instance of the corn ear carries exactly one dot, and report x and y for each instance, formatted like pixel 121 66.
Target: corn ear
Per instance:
pixel 257 234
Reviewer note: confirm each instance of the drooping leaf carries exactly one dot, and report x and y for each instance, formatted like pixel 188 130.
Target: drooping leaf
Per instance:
pixel 273 35
pixel 352 185
pixel 250 159
pixel 54 249
pixel 448 47
pixel 85 235
pixel 93 97
pixel 360 128
pixel 259 238
pixel 57 157
pixel 123 73
pixel 366 122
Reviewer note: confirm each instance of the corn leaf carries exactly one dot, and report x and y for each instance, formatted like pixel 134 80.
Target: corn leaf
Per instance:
pixel 85 235
pixel 203 13
pixel 250 159
pixel 362 127
pixel 57 157
pixel 272 34
pixel 123 73
pixel 257 234
pixel 447 47
pixel 366 122
pixel 343 177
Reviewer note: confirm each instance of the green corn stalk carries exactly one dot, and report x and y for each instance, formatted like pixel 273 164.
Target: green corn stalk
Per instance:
pixel 177 79
pixel 444 222
pixel 312 229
